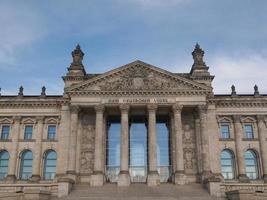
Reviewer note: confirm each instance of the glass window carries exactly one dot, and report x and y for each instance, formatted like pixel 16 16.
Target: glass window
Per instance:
pixel 51 135
pixel 251 164
pixel 163 157
pixel 28 132
pixel 5 132
pixel 113 151
pixel 26 165
pixel 249 131
pixel 4 158
pixel 225 131
pixel 227 164
pixel 50 163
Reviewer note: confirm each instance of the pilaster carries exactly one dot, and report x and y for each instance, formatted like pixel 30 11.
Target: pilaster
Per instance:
pixel 11 177
pixel 239 151
pixel 262 137
pixel 36 176
pixel 179 176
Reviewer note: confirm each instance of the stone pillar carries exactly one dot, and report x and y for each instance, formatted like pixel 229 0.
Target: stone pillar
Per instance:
pixel 124 178
pixel 97 179
pixel 153 175
pixel 179 176
pixel 11 177
pixel 239 151
pixel 198 147
pixel 74 112
pixel 206 167
pixel 263 150
pixel 36 176
pixel 63 141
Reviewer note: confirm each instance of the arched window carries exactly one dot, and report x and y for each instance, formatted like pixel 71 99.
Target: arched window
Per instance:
pixel 50 163
pixel 251 164
pixel 4 158
pixel 26 165
pixel 227 164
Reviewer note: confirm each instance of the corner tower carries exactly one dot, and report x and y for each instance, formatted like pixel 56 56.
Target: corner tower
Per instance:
pixel 76 71
pixel 200 71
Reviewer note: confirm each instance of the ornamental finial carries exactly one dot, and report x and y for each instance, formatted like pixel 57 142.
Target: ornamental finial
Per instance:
pixel 233 93
pixel 20 91
pixel 43 92
pixel 0 91
pixel 198 55
pixel 77 55
pixel 256 91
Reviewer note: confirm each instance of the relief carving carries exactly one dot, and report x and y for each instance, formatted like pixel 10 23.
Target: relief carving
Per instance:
pixel 87 144
pixel 138 77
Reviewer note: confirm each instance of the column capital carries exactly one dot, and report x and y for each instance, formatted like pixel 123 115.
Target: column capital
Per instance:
pixel 17 119
pixel 74 109
pixel 152 107
pixel 202 108
pixel 40 119
pixel 177 107
pixel 237 118
pixel 260 118
pixel 100 108
pixel 124 107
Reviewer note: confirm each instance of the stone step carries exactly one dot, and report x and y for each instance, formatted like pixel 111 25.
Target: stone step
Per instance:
pixel 139 192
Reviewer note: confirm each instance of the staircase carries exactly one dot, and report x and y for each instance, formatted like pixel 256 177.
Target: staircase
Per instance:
pixel 139 192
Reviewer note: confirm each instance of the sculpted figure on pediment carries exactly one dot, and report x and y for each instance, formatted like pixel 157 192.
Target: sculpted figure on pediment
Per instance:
pixel 139 78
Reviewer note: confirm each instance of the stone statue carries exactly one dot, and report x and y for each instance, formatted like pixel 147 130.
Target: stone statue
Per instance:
pixel 43 94
pixel 233 90
pixel 198 55
pixel 256 91
pixel 20 91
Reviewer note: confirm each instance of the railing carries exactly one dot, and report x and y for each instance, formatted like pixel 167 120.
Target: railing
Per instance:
pixel 112 173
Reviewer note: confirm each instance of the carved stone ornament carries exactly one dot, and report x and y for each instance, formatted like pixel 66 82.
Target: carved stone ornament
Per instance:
pixel 177 107
pixel 124 107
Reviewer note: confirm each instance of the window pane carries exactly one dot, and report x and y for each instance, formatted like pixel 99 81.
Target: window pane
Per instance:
pixel 249 131
pixel 5 132
pixel 225 131
pixel 26 165
pixel 28 132
pixel 251 164
pixel 227 166
pixel 50 163
pixel 51 132
pixel 4 159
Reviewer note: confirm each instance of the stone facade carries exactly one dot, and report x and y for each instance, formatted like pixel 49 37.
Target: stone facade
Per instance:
pixel 195 118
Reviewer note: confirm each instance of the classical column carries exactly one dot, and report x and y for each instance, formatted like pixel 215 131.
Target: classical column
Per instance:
pixel 198 146
pixel 153 175
pixel 74 112
pixel 179 176
pixel 124 178
pixel 206 167
pixel 11 177
pixel 263 150
pixel 97 179
pixel 239 151
pixel 36 176
pixel 63 141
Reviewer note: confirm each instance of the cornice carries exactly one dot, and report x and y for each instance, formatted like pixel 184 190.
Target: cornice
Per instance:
pixel 239 102
pixel 140 93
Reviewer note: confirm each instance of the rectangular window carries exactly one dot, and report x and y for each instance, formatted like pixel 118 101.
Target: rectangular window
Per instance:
pixel 225 131
pixel 249 131
pixel 51 135
pixel 28 132
pixel 5 132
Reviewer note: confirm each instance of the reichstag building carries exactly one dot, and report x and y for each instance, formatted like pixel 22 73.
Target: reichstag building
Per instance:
pixel 134 124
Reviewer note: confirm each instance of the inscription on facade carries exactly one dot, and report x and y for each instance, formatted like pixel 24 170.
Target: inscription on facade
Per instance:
pixel 140 101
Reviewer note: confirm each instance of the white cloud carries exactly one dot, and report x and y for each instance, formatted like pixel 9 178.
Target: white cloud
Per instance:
pixel 243 71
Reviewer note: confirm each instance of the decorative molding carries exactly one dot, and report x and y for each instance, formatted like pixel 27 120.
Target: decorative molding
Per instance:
pixel 152 107
pixel 124 107
pixel 6 120
pixel 28 120
pixel 100 108
pixel 177 107
pixel 51 120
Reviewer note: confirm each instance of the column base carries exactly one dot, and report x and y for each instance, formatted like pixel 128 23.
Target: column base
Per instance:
pixel 35 178
pixel 180 178
pixel 205 176
pixel 97 179
pixel 243 178
pixel 153 178
pixel 10 178
pixel 265 178
pixel 124 179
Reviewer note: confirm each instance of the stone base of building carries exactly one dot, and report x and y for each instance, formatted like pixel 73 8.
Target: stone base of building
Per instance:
pixel 35 178
pixel 245 195
pixel 10 178
pixel 124 179
pixel 36 195
pixel 97 179
pixel 265 178
pixel 180 178
pixel 153 178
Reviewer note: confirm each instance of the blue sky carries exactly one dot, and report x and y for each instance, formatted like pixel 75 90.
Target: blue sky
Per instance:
pixel 37 37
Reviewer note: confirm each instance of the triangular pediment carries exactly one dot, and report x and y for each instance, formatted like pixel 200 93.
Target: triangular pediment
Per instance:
pixel 138 76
